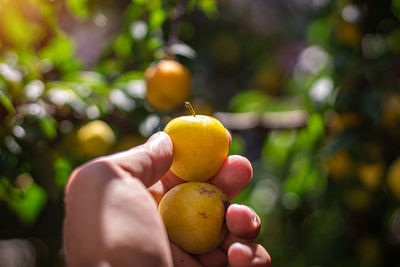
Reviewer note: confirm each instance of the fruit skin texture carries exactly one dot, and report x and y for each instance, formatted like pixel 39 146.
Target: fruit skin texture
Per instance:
pixel 168 85
pixel 201 145
pixel 95 138
pixel 194 216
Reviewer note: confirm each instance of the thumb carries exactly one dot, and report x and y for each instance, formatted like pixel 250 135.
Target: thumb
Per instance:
pixel 148 162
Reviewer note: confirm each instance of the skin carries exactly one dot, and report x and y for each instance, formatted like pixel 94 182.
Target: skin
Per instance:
pixel 112 220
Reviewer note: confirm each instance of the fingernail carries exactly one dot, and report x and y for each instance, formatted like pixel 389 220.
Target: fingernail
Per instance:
pixel 255 219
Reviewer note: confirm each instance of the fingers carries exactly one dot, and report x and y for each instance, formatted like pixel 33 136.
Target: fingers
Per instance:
pixel 242 221
pixel 243 225
pixel 233 176
pixel 167 182
pixel 248 255
pixel 213 258
pixel 182 259
pixel 229 137
pixel 147 162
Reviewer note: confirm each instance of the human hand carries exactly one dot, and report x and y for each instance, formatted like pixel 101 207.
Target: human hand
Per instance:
pixel 112 218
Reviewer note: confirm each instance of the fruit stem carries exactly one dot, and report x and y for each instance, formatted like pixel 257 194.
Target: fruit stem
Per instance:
pixel 189 106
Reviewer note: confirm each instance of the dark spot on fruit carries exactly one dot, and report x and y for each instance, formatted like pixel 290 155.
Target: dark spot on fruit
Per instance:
pixel 208 192
pixel 203 214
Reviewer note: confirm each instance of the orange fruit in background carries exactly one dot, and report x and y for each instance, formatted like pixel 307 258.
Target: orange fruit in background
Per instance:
pixel 338 123
pixel 168 85
pixel 339 165
pixel 391 110
pixel 371 174
pixel 348 33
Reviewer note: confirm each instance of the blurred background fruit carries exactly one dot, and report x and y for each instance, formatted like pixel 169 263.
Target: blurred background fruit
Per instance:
pixel 168 85
pixel 95 138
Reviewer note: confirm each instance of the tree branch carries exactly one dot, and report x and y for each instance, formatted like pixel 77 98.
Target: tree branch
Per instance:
pixel 266 120
pixel 177 18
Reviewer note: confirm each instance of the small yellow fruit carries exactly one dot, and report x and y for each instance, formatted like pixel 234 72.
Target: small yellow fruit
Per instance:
pixel 95 138
pixel 371 174
pixel 201 145
pixel 393 178
pixel 340 165
pixel 194 216
pixel 168 85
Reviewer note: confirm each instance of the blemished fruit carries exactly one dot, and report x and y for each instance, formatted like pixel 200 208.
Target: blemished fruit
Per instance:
pixel 194 216
pixel 201 145
pixel 95 138
pixel 168 85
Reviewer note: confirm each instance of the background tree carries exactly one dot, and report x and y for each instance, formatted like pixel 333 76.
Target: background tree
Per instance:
pixel 309 90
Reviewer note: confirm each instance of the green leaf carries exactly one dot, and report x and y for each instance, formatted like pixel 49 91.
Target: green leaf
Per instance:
pixel 29 204
pixel 209 7
pixel 319 32
pixel 277 147
pixel 93 80
pixel 79 7
pixel 123 45
pixel 60 51
pixel 63 169
pixel 248 101
pixel 157 18
pixel 48 126
pixel 129 76
pixel 16 29
pixel 238 145
pixel 6 101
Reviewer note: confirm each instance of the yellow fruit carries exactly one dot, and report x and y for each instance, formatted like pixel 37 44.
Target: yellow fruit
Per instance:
pixel 391 111
pixel 95 138
pixel 337 123
pixel 201 145
pixel 193 214
pixel 168 85
pixel 371 174
pixel 348 33
pixel 340 165
pixel 393 177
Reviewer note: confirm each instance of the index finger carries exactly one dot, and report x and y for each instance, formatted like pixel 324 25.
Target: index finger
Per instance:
pixel 233 176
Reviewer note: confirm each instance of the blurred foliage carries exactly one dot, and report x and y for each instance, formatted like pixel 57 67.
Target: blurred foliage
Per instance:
pixel 328 193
